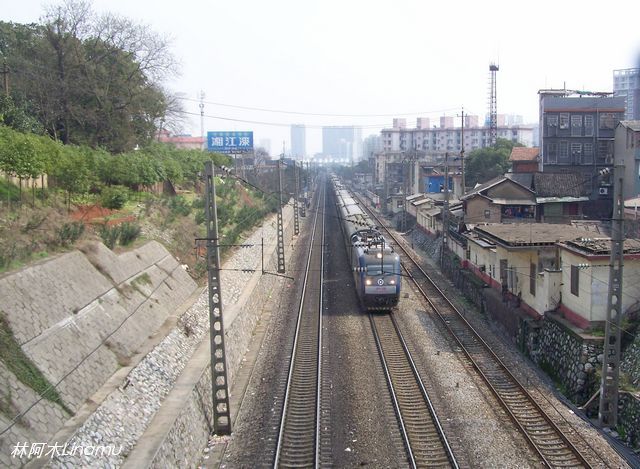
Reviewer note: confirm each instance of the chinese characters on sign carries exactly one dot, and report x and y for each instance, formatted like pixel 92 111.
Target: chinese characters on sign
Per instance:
pixel 40 450
pixel 230 142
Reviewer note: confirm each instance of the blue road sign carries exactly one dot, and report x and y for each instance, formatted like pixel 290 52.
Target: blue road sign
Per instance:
pixel 230 142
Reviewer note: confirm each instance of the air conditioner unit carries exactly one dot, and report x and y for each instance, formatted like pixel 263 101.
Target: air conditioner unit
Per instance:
pixel 604 190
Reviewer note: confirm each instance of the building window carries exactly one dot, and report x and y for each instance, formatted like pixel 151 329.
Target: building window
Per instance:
pixel 575 280
pixel 576 126
pixel 563 151
pixel 588 126
pixel 487 213
pixel 587 153
pixel 564 120
pixel 552 125
pixel 607 120
pixel 576 152
pixel 605 149
pixel 532 279
pixel 552 153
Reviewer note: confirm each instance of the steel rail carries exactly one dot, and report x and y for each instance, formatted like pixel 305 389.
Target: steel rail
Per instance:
pixel 528 425
pixel 422 432
pixel 302 396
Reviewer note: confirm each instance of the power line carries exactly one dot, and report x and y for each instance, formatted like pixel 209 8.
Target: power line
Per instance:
pixel 285 124
pixel 318 114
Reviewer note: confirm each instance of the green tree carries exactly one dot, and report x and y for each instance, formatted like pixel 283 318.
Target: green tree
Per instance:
pixel 484 164
pixel 17 116
pixel 89 79
pixel 21 156
pixel 72 172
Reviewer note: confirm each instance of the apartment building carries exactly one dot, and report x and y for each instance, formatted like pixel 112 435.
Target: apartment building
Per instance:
pixel 626 84
pixel 446 137
pixel 627 153
pixel 577 132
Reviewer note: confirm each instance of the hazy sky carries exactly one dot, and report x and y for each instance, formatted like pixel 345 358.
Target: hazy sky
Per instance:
pixel 374 59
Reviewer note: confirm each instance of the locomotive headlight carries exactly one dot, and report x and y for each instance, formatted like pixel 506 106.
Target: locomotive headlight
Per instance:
pixel 392 281
pixel 368 281
pixel 379 255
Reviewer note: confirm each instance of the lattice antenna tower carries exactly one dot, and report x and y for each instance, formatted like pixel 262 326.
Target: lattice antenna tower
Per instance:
pixel 493 104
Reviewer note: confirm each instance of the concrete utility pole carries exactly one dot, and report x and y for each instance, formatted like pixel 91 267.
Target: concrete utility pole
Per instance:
pixel 608 413
pixel 201 105
pixel 386 185
pixel 281 264
pixel 462 152
pixel 296 222
pixel 219 386
pixel 445 210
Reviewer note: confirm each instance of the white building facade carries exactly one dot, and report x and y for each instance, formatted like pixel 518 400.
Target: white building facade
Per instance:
pixel 447 137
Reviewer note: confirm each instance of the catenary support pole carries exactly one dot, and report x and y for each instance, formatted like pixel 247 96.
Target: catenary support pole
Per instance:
pixel 219 383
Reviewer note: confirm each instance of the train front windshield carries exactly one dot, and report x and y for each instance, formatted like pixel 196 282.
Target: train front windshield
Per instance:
pixel 380 269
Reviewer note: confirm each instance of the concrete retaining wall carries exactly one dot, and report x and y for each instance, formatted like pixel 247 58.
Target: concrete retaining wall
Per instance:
pixel 79 317
pixel 188 428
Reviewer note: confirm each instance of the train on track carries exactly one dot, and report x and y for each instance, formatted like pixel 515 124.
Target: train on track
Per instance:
pixel 375 265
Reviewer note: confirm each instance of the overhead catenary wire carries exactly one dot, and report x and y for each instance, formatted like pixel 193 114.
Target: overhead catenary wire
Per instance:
pixel 283 124
pixel 318 114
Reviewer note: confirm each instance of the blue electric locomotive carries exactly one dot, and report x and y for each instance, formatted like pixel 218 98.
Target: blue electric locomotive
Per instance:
pixel 375 265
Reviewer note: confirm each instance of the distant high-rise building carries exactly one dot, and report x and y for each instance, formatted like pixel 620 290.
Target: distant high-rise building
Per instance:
pixel 626 84
pixel 298 142
pixel 342 143
pixel 371 145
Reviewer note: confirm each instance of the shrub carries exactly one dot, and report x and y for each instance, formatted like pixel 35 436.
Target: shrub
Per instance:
pixel 128 233
pixel 179 206
pixel 200 217
pixel 70 232
pixel 114 197
pixel 109 235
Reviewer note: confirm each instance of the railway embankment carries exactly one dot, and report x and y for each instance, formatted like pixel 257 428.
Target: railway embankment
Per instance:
pixel 153 408
pixel 181 429
pixel 72 324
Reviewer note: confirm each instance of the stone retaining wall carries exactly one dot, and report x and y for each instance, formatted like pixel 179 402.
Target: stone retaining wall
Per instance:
pixel 629 419
pixel 631 361
pixel 78 317
pixel 568 357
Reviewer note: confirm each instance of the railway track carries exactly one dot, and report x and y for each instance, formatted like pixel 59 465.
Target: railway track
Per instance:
pixel 422 433
pixel 299 435
pixel 544 436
